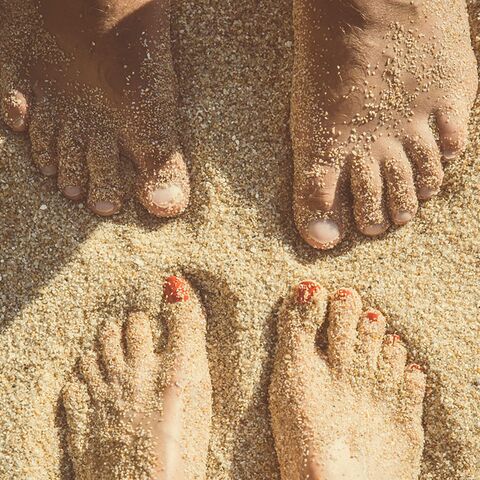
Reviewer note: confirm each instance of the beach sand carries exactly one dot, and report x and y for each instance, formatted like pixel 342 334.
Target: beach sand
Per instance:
pixel 64 271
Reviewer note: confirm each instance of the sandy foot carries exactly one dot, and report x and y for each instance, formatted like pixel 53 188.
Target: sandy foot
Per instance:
pixel 97 80
pixel 381 91
pixel 352 411
pixel 137 414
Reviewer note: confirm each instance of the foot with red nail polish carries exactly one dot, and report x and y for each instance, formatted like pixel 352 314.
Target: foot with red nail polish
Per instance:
pixel 351 410
pixel 136 413
pixel 374 81
pixel 96 81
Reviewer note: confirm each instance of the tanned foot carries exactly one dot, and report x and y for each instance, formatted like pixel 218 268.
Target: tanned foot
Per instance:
pixel 138 415
pixel 352 412
pixel 374 82
pixel 101 84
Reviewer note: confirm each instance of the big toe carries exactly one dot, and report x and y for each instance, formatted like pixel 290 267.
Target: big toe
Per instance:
pixel 323 234
pixel 15 109
pixel 165 186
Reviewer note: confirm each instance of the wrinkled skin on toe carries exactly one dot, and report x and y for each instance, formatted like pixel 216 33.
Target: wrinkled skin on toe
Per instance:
pixel 378 99
pixel 134 414
pixel 352 411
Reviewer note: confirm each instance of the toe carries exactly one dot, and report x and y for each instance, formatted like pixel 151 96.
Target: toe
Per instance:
pixel 105 189
pixel 15 110
pixel 302 313
pixel 371 330
pixel 72 175
pixel 452 127
pixel 344 312
pixel 139 341
pixel 317 207
pixel 392 361
pixel 402 198
pixel 43 130
pixel 185 317
pixel 414 390
pixel 92 375
pixel 425 154
pixel 112 352
pixel 164 187
pixel 367 189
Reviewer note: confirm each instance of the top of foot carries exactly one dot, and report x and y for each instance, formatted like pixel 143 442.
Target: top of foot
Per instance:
pixel 374 81
pixel 353 412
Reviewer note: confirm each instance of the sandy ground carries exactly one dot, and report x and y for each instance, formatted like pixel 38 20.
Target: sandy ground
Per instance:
pixel 63 271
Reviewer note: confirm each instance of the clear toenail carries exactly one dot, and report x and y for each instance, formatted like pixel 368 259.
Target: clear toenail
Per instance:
pixel 374 230
pixel 425 193
pixel 449 155
pixel 49 170
pixel 167 196
pixel 104 208
pixel 72 192
pixel 402 217
pixel 324 231
pixel 18 124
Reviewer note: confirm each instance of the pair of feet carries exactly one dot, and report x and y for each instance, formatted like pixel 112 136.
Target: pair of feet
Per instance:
pixel 373 80
pixel 350 411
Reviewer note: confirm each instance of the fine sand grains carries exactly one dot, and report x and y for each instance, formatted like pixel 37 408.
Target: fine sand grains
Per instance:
pixel 63 271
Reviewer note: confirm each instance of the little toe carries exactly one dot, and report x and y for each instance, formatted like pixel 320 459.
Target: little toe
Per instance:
pixel 164 188
pixel 15 110
pixel 344 312
pixel 423 150
pixel 414 391
pixel 317 208
pixel 391 364
pixel 371 331
pixel 105 194
pixel 452 127
pixel 139 341
pixel 300 317
pixel 367 189
pixel 72 174
pixel 112 352
pixel 402 198
pixel 43 132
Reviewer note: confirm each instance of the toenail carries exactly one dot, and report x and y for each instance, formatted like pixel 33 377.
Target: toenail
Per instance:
pixel 425 193
pixel 306 291
pixel 415 366
pixel 18 124
pixel 167 196
pixel 324 231
pixel 373 316
pixel 344 292
pixel 49 170
pixel 374 230
pixel 175 290
pixel 394 339
pixel 104 208
pixel 450 154
pixel 73 193
pixel 401 218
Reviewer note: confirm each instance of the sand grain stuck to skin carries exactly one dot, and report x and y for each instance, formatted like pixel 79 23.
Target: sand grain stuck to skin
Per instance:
pixel 64 271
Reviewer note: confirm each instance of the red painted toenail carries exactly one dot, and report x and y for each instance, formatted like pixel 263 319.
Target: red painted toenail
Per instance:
pixel 373 316
pixel 415 366
pixel 306 290
pixel 175 290
pixel 344 293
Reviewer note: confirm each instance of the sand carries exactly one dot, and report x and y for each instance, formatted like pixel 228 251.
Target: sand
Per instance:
pixel 64 271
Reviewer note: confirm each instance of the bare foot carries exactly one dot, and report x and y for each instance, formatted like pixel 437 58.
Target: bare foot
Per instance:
pixel 353 412
pixel 101 83
pixel 373 80
pixel 139 415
